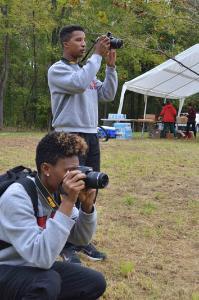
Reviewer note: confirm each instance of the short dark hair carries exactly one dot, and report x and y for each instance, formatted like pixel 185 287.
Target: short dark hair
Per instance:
pixel 168 101
pixel 66 32
pixel 57 145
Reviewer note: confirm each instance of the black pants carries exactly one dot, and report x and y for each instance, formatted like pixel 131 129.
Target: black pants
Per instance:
pixel 63 281
pixel 193 127
pixel 92 157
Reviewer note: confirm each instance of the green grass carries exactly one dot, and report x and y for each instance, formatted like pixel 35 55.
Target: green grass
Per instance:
pixel 127 268
pixel 148 215
pixel 129 200
pixel 148 208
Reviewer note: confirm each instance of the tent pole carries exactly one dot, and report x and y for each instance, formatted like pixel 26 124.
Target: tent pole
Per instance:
pixel 145 101
pixel 181 103
pixel 121 99
pixel 145 106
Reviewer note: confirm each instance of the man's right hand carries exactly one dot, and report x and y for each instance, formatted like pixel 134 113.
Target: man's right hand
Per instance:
pixel 72 184
pixel 102 46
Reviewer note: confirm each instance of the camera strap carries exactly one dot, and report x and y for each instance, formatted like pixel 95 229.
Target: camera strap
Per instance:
pixel 48 197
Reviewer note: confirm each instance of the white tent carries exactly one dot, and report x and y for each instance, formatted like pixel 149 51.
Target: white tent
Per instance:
pixel 168 80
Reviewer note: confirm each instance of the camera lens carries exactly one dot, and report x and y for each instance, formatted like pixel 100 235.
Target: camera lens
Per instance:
pixel 102 180
pixel 96 180
pixel 116 43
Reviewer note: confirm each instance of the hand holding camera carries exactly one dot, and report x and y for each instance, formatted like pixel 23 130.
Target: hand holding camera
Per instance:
pixel 72 184
pixel 107 42
pixel 102 46
pixel 93 181
pixel 81 183
pixel 111 58
pixel 87 198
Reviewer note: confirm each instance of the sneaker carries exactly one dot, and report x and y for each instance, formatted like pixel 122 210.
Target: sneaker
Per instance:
pixel 69 255
pixel 91 252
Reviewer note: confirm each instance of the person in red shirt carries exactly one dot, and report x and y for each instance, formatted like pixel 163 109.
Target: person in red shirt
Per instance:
pixel 191 120
pixel 168 114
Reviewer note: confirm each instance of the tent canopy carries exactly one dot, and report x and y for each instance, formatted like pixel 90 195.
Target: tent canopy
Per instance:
pixel 169 79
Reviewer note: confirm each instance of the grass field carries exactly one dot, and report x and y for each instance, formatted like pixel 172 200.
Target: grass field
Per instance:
pixel 148 216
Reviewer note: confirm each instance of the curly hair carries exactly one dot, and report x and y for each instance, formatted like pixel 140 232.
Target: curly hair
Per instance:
pixel 57 145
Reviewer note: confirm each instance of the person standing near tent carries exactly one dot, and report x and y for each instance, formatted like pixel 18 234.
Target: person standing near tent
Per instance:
pixel 168 114
pixel 191 120
pixel 75 94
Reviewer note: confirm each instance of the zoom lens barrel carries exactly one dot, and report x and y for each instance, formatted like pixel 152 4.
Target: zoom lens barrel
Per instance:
pixel 95 180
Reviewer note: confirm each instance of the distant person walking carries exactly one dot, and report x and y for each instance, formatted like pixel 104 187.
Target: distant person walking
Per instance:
pixel 191 120
pixel 168 114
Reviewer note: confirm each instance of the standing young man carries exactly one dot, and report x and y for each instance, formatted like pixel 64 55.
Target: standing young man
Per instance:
pixel 75 94
pixel 28 266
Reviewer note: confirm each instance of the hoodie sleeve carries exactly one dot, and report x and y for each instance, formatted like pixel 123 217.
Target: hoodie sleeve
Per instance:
pixel 107 89
pixel 84 228
pixel 66 79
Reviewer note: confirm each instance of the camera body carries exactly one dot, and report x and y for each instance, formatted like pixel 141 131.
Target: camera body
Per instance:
pixel 94 180
pixel 115 43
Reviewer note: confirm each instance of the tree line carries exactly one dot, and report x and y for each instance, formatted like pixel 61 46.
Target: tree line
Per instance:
pixel 29 43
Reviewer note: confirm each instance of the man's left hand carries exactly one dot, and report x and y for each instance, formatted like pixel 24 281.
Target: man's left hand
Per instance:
pixel 111 58
pixel 87 199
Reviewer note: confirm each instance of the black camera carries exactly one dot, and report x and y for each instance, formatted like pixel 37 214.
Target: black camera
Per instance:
pixel 115 43
pixel 94 180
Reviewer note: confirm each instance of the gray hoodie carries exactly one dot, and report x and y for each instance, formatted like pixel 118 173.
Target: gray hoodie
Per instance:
pixel 33 245
pixel 75 93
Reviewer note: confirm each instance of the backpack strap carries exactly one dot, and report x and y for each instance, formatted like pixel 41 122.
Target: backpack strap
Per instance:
pixel 19 169
pixel 31 190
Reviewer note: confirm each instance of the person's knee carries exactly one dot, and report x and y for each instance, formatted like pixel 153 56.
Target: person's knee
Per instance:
pixel 49 285
pixel 54 284
pixel 100 284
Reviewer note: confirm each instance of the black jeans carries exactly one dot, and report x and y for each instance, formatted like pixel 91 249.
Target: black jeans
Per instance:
pixel 64 281
pixel 92 157
pixel 193 127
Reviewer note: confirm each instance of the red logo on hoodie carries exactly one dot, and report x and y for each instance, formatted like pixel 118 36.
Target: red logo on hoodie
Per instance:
pixel 41 221
pixel 93 85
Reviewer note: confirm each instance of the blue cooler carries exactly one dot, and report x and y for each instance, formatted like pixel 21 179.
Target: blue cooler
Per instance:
pixel 111 132
pixel 123 131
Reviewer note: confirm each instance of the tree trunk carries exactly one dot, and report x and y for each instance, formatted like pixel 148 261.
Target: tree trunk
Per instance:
pixel 4 76
pixel 30 105
pixel 35 72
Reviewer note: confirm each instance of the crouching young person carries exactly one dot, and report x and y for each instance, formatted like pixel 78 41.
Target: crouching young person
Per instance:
pixel 28 266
